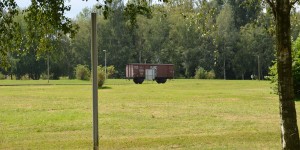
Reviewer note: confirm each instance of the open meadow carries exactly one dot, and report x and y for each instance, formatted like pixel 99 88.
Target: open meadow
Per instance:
pixel 181 114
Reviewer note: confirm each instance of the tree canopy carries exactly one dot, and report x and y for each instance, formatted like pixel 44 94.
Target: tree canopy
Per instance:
pixel 189 34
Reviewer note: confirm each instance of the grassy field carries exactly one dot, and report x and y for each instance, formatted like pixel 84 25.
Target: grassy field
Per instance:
pixel 181 114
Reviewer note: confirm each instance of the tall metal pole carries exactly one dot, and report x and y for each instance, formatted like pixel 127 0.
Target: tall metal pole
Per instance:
pixel 105 63
pixel 258 67
pixel 224 67
pixel 48 66
pixel 94 57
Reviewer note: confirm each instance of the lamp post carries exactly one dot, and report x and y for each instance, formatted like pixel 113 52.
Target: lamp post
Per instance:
pixel 258 68
pixel 94 62
pixel 48 66
pixel 105 62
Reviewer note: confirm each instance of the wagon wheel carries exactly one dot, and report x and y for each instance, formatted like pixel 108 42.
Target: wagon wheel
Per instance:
pixel 136 80
pixel 141 80
pixel 163 80
pixel 158 80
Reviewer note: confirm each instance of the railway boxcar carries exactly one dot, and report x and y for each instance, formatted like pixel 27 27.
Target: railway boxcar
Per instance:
pixel 158 72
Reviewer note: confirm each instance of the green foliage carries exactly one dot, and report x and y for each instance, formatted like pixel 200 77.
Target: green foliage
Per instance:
pixel 255 41
pixel 25 77
pixel 2 76
pixel 110 71
pixel 46 23
pixel 177 33
pixel 296 66
pixel 135 8
pixel 295 69
pixel 201 73
pixel 245 11
pixel 226 37
pixel 44 20
pixel 211 74
pixel 44 76
pixel 10 37
pixel 296 76
pixel 274 77
pixel 26 62
pixel 82 72
pixel 100 76
pixel 187 34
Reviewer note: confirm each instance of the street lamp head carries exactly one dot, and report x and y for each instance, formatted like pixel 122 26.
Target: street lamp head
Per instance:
pixel 104 50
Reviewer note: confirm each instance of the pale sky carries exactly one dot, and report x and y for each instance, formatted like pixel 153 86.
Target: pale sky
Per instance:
pixel 76 6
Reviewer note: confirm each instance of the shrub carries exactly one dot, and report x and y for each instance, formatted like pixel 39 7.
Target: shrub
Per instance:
pixel 101 75
pixel 110 71
pixel 25 77
pixel 44 76
pixel 274 78
pixel 201 73
pixel 12 77
pixel 64 78
pixel 296 76
pixel 296 66
pixel 211 74
pixel 82 72
pixel 295 70
pixel 2 77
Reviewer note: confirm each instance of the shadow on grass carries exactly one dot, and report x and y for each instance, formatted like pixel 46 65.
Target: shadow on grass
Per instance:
pixel 104 87
pixel 297 98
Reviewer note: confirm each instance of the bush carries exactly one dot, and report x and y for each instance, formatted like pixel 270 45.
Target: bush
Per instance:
pixel 82 72
pixel 295 70
pixel 274 78
pixel 2 77
pixel 201 73
pixel 211 74
pixel 25 77
pixel 44 76
pixel 12 77
pixel 64 78
pixel 110 71
pixel 296 76
pixel 101 75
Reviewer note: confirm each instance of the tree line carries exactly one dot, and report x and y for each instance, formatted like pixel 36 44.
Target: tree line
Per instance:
pixel 187 34
pixel 233 39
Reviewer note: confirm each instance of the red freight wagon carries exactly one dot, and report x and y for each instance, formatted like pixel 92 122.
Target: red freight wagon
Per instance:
pixel 158 72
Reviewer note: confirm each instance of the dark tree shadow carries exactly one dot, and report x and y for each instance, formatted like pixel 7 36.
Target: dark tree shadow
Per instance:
pixel 297 98
pixel 104 87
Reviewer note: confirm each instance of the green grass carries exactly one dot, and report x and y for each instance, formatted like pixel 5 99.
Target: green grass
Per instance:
pixel 181 114
pixel 42 82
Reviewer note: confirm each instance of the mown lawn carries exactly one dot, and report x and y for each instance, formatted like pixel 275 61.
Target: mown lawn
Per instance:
pixel 181 114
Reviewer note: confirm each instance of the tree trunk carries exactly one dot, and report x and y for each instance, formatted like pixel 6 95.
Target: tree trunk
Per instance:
pixel 289 128
pixel 243 76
